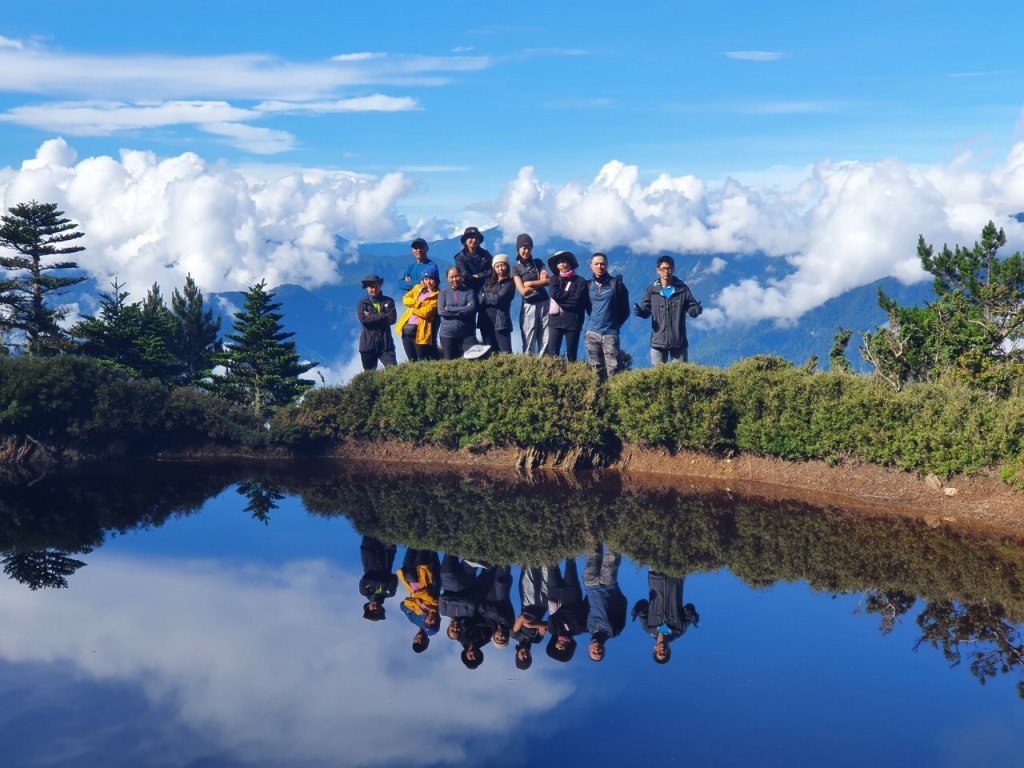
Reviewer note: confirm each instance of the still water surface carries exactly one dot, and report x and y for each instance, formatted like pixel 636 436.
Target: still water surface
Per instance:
pixel 194 615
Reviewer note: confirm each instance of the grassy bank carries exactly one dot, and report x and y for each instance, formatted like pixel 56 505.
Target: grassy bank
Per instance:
pixel 552 411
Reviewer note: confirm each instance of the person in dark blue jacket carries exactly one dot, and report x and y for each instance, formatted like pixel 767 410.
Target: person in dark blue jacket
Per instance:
pixel 378 582
pixel 495 304
pixel 667 301
pixel 607 617
pixel 456 306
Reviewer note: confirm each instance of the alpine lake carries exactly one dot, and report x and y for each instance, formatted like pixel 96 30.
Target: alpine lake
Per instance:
pixel 212 614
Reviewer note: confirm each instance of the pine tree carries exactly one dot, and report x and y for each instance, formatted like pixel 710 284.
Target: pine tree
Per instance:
pixel 134 337
pixel 262 366
pixel 196 337
pixel 37 231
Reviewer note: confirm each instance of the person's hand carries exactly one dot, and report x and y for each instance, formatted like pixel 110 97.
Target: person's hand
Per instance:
pixel 695 309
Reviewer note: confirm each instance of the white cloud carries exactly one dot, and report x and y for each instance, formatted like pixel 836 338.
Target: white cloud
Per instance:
pixel 376 102
pixel 841 226
pixel 758 56
pixel 269 665
pixel 148 219
pixel 252 138
pixel 37 69
pixel 101 118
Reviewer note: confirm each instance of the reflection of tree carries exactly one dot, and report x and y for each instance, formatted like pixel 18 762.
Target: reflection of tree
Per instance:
pixel 263 498
pixel 889 605
pixel 995 645
pixel 42 568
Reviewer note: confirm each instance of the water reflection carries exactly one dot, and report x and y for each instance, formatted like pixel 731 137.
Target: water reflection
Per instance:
pixel 495 574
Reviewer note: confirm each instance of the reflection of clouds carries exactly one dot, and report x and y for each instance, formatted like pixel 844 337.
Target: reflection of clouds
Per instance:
pixel 274 665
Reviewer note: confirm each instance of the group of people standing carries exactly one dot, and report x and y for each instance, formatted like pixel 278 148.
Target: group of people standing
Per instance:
pixel 555 305
pixel 476 598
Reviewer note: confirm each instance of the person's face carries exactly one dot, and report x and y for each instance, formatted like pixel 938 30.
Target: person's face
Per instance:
pixel 454 629
pixel 374 608
pixel 471 243
pixel 665 273
pixel 472 654
pixel 526 253
pixel 432 619
pixel 596 650
pixel 523 654
pixel 599 266
pixel 562 643
pixel 454 278
pixel 430 283
pixel 420 253
pixel 501 269
pixel 562 265
pixel 500 636
pixel 373 290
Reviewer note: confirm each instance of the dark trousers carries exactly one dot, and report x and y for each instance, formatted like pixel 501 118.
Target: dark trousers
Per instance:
pixel 499 341
pixel 452 348
pixel 572 342
pixel 413 351
pixel 386 357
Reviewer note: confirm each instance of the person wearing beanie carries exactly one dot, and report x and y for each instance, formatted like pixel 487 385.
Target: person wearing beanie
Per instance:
pixel 495 305
pixel 417 327
pixel 413 274
pixel 531 278
pixel 568 306
pixel 667 301
pixel 376 313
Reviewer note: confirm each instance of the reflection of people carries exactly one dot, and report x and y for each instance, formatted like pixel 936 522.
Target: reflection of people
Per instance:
pixel 417 326
pixel 495 302
pixel 496 606
pixel 568 306
pixel 667 301
pixel 457 309
pixel 663 616
pixel 378 582
pixel 607 616
pixel 419 574
pixel 530 627
pixel 531 279
pixel 376 314
pixel 461 601
pixel 569 610
pixel 609 309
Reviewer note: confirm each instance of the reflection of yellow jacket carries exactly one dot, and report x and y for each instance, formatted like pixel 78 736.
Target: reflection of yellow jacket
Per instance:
pixel 423 599
pixel 425 310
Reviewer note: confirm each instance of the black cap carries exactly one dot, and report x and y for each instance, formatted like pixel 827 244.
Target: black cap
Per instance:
pixel 472 232
pixel 419 242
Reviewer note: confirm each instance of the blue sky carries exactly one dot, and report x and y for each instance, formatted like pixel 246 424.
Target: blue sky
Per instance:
pixel 195 137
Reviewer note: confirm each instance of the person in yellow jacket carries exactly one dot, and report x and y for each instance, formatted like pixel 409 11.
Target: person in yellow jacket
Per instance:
pixel 417 326
pixel 420 575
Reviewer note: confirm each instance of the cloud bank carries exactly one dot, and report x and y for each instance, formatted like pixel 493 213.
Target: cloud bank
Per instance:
pixel 836 225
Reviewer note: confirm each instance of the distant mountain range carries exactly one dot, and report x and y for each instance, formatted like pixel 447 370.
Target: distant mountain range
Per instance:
pixel 325 326
pixel 323 319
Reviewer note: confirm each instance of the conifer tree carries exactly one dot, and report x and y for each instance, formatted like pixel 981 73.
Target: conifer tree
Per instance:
pixel 37 231
pixel 196 337
pixel 262 368
pixel 134 337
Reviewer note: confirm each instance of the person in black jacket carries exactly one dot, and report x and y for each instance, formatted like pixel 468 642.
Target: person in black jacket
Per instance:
pixel 663 615
pixel 376 313
pixel 473 261
pixel 495 306
pixel 569 303
pixel 569 612
pixel 379 581
pixel 667 301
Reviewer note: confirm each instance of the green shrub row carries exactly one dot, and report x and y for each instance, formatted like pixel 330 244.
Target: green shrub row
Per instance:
pixel 762 405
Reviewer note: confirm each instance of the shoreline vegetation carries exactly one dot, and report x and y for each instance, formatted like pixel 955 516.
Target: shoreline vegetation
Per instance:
pixel 536 412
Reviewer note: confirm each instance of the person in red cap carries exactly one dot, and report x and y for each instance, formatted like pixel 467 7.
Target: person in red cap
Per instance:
pixel 376 313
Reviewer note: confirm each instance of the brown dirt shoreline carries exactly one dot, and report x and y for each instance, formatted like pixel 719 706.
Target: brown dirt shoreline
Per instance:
pixel 980 502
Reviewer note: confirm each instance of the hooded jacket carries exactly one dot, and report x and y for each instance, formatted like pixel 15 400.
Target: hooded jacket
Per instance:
pixel 424 309
pixel 376 333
